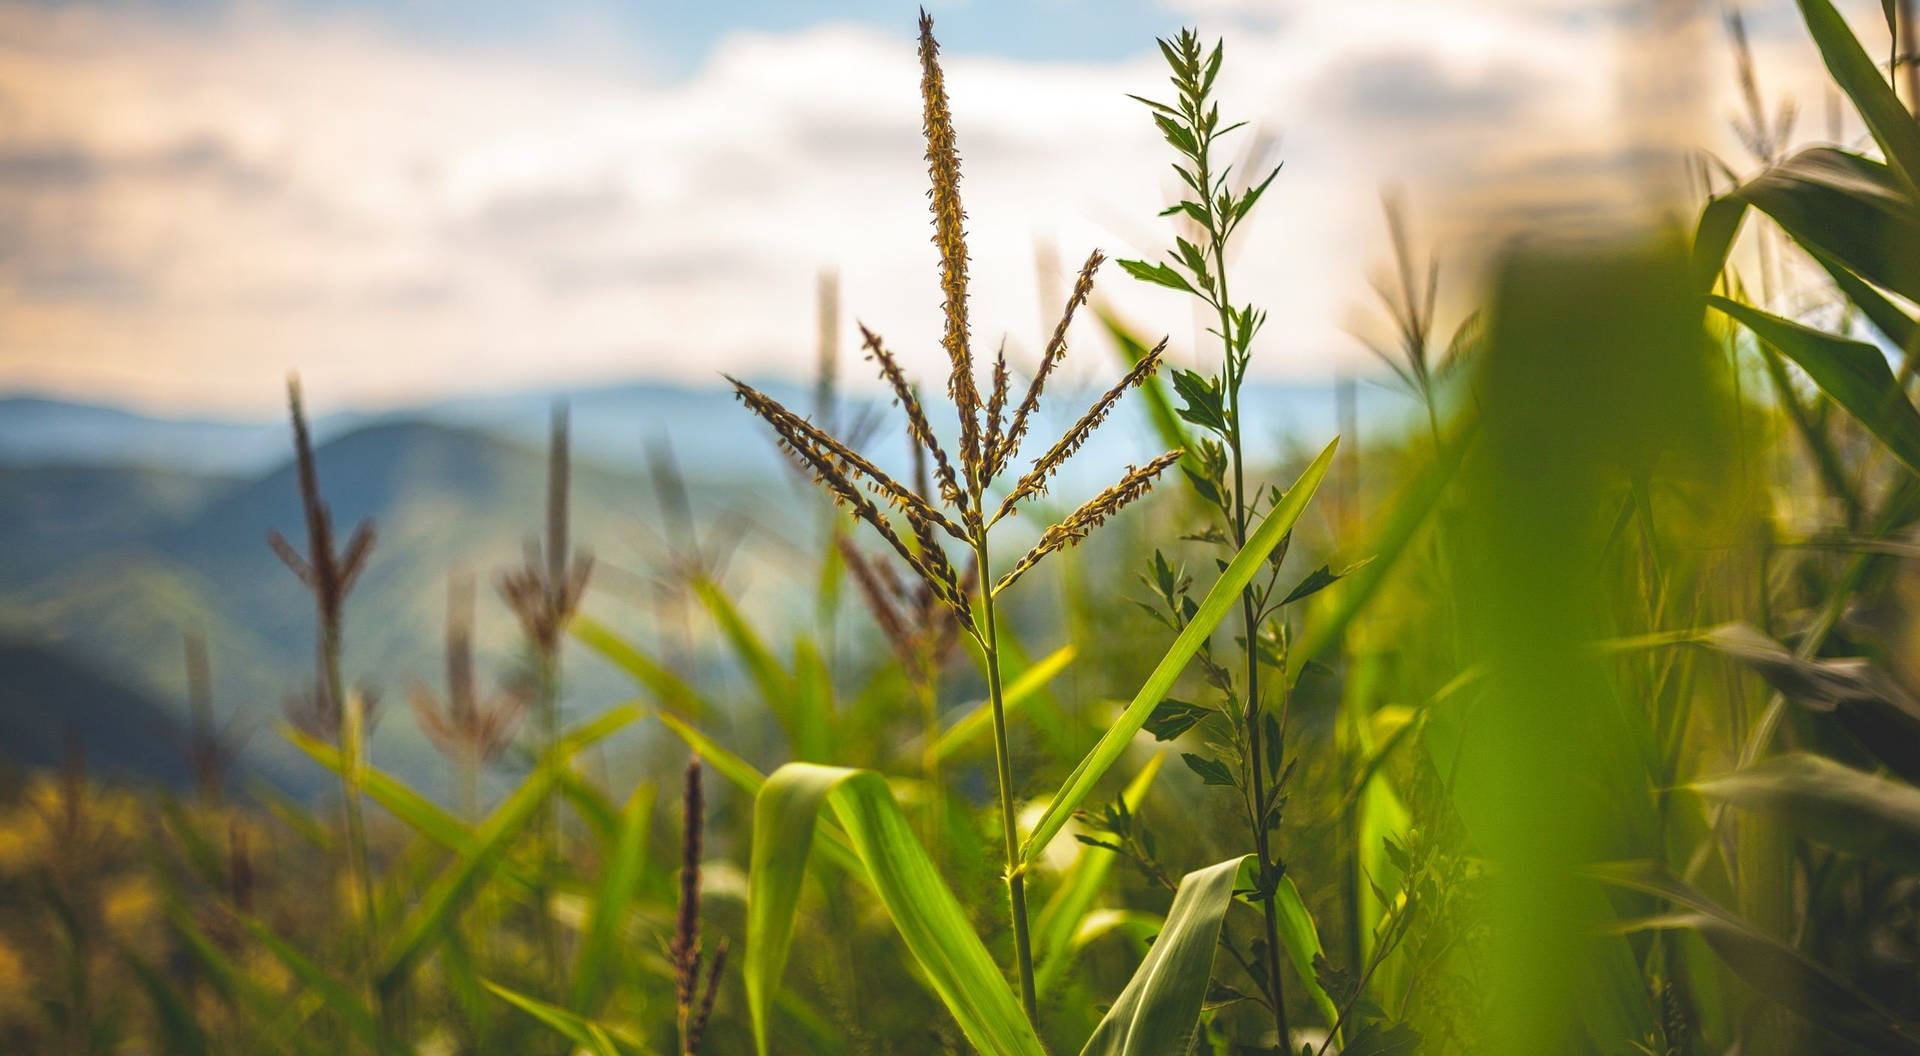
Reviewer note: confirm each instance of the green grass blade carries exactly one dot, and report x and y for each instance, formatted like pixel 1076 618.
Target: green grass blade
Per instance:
pixel 1832 805
pixel 402 802
pixel 969 727
pixel 1224 594
pixel 1059 920
pixel 619 880
pixel 583 1032
pixel 769 676
pixel 176 1019
pixel 1346 599
pixel 1859 76
pixel 1160 1006
pixel 673 692
pixel 1854 373
pixel 932 923
pixel 427 922
pixel 1777 971
pixel 352 1010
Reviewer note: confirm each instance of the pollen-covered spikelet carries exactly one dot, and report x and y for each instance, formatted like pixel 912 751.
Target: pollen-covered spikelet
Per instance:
pixel 1056 350
pixel 1035 482
pixel 1081 522
pixel 949 234
pixel 917 426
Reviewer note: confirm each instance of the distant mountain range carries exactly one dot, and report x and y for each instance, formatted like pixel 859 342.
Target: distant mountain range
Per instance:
pixel 121 532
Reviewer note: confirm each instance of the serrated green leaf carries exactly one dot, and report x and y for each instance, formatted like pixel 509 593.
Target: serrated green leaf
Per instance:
pixel 1220 599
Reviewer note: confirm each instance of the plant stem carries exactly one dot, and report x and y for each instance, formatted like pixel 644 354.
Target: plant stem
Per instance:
pixel 1250 626
pixel 1016 879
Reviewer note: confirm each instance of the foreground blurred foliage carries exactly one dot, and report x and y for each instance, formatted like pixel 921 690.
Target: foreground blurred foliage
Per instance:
pixel 1585 724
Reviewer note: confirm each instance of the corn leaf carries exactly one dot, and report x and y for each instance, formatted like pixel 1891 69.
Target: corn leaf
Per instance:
pixel 1302 941
pixel 1854 373
pixel 1859 76
pixel 583 1032
pixel 1832 805
pixel 1224 594
pixel 673 692
pixel 1156 1013
pixel 1848 207
pixel 969 727
pixel 1859 697
pixel 930 920
pixel 1060 918
pixel 619 879
pixel 1777 971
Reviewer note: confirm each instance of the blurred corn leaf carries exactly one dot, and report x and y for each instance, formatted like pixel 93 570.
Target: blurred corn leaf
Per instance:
pixel 583 1032
pixel 673 692
pixel 1861 699
pixel 1060 918
pixel 1859 77
pixel 1851 209
pixel 1832 805
pixel 1156 1013
pixel 1777 971
pixel 930 920
pixel 979 720
pixel 619 879
pixel 1220 598
pixel 1854 373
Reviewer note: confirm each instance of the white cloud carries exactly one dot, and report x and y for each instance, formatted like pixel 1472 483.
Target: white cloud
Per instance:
pixel 189 208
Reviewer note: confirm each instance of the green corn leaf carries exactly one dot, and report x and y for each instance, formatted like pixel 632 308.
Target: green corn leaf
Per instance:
pixel 936 930
pixel 450 891
pixel 620 877
pixel 1854 373
pixel 979 720
pixel 583 1032
pixel 673 692
pixel 1859 76
pixel 1858 697
pixel 779 689
pixel 426 924
pixel 1410 510
pixel 1156 1013
pixel 1893 323
pixel 1848 207
pixel 359 1019
pixel 1060 919
pixel 1777 971
pixel 1832 805
pixel 1713 238
pixel 1224 594
pixel 1302 942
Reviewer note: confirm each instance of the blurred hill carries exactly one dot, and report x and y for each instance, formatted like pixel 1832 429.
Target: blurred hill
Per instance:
pixel 122 532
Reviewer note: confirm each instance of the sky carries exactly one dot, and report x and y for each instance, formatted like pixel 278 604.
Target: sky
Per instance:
pixel 415 200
